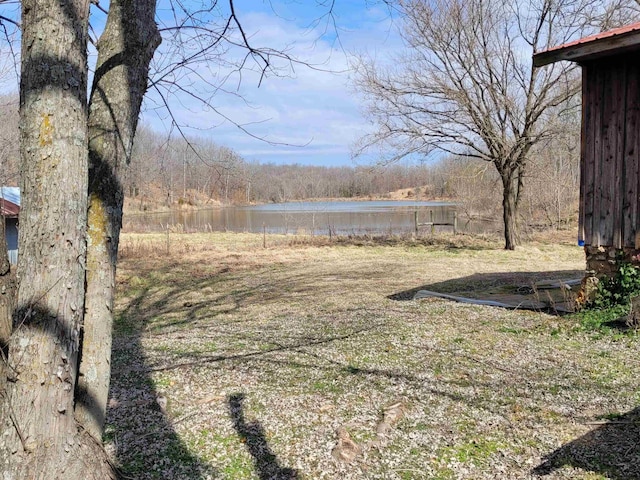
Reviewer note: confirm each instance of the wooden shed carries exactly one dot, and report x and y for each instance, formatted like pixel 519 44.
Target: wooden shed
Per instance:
pixel 609 219
pixel 9 211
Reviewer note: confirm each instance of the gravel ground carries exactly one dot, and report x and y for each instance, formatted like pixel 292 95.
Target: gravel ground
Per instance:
pixel 234 361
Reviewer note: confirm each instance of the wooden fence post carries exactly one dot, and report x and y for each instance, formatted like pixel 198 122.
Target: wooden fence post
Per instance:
pixel 455 222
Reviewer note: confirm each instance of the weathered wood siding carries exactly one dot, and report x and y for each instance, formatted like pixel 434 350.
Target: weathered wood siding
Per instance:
pixel 11 236
pixel 610 169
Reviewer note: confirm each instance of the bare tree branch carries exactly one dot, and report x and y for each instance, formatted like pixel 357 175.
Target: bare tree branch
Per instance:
pixel 466 84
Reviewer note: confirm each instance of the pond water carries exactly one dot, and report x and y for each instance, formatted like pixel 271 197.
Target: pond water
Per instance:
pixel 314 218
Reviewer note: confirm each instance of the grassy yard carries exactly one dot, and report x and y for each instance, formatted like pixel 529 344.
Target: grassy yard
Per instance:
pixel 261 354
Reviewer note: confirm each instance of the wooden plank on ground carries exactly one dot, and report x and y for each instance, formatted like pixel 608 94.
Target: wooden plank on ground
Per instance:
pixel 524 304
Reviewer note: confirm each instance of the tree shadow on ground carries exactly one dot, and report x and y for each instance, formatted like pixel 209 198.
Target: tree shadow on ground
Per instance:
pixel 490 285
pixel 253 436
pixel 142 436
pixel 154 310
pixel 147 309
pixel 146 443
pixel 610 450
pixel 145 439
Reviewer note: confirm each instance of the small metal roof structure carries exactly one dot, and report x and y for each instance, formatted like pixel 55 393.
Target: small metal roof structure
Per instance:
pixel 9 201
pixel 609 215
pixel 619 40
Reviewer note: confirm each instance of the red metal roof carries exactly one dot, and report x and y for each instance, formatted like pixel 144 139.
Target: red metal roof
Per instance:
pixel 8 209
pixel 599 44
pixel 592 38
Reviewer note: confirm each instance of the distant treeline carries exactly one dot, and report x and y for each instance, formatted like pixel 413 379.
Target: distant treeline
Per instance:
pixel 196 170
pixel 172 171
pixel 177 170
pixel 193 169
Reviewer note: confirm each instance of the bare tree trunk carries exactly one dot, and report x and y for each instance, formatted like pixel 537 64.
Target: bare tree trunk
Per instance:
pixel 509 211
pixel 40 438
pixel 125 50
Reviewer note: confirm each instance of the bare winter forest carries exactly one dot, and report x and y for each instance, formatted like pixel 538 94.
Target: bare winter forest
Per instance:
pixel 170 172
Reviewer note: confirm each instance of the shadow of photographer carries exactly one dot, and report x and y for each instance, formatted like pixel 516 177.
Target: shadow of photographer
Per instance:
pixel 253 435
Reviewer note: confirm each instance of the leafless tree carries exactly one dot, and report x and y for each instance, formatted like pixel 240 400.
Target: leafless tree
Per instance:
pixel 466 84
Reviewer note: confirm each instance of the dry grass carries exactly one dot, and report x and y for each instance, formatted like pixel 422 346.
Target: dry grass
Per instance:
pixel 262 353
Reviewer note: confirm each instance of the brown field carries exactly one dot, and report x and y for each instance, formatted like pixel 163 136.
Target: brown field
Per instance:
pixel 261 354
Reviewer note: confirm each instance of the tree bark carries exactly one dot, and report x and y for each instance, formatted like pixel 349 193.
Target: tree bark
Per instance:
pixel 509 210
pixel 40 438
pixel 125 49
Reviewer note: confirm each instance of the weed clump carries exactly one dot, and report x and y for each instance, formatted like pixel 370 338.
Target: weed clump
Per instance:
pixel 618 289
pixel 612 298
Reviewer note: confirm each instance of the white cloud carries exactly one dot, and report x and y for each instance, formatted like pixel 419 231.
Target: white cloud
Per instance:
pixel 311 105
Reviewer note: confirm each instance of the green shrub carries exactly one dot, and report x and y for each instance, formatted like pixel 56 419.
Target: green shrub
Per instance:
pixel 617 290
pixel 612 299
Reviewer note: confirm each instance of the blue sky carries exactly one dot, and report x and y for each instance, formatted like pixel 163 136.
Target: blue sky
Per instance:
pixel 307 115
pixel 310 115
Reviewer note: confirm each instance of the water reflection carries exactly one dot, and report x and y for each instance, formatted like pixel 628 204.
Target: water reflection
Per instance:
pixel 314 218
